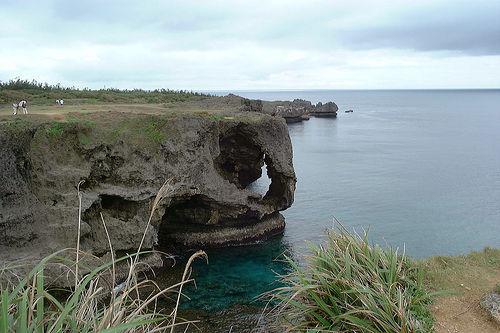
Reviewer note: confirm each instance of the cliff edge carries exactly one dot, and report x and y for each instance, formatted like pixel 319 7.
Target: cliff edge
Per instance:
pixel 123 159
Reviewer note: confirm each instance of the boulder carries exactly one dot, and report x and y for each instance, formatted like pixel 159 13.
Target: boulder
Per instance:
pixel 491 303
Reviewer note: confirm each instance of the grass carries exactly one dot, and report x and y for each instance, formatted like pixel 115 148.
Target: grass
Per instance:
pixel 476 271
pixel 97 302
pixel 146 131
pixel 17 125
pixel 348 285
pixel 465 280
pixel 153 131
pixel 55 129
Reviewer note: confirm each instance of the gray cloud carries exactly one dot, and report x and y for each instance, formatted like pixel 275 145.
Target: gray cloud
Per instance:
pixel 471 27
pixel 230 44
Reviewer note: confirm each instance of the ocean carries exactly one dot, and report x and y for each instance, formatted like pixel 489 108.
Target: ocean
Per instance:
pixel 418 169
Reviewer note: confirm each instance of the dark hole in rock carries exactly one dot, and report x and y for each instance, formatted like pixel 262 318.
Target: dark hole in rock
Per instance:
pixel 186 214
pixel 122 216
pixel 190 210
pixel 119 207
pixel 240 160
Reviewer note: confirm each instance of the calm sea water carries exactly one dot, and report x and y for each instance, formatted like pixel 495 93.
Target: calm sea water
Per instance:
pixel 420 169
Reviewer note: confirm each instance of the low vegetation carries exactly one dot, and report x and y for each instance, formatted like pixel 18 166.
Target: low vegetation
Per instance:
pixel 466 280
pixel 31 306
pixel 45 94
pixel 348 285
pixel 478 271
pixel 98 302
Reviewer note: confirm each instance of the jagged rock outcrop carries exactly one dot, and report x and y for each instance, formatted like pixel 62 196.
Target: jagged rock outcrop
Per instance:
pixel 124 159
pixel 292 114
pixel 292 111
pixel 325 110
pixel 301 103
pixel 251 105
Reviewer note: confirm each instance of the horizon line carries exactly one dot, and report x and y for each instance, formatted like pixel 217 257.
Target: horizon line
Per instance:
pixel 339 89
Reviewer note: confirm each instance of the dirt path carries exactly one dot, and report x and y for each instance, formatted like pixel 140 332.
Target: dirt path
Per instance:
pixel 468 278
pixel 460 314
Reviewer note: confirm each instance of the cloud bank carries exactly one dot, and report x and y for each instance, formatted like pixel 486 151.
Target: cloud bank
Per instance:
pixel 207 45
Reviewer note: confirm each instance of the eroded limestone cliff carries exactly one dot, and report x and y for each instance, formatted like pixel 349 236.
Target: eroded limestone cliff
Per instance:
pixel 123 159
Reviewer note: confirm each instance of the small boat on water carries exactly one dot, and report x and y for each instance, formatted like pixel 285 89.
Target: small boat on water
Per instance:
pixel 348 111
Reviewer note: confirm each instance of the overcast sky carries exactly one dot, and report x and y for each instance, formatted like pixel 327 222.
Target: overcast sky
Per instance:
pixel 285 44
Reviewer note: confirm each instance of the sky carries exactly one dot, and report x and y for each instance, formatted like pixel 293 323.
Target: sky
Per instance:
pixel 252 45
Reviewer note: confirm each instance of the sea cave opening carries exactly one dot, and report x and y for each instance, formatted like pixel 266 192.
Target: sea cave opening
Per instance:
pixel 240 160
pixel 262 184
pixel 243 162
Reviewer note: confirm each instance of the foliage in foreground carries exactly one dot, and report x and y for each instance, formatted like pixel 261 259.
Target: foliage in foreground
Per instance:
pixel 347 285
pixel 31 306
pixel 96 303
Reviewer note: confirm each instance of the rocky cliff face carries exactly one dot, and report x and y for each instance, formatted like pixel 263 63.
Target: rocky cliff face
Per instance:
pixel 124 159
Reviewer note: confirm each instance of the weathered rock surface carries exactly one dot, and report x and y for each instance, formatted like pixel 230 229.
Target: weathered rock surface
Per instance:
pixel 491 303
pixel 251 105
pixel 292 111
pixel 325 110
pixel 124 159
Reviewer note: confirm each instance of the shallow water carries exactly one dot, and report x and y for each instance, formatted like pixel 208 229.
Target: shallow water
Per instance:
pixel 420 169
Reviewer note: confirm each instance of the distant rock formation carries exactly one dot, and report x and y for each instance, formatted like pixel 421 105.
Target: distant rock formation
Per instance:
pixel 251 105
pixel 325 110
pixel 292 111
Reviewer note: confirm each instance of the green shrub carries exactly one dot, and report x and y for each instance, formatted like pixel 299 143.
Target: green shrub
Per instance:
pixel 347 285
pixel 153 132
pixel 46 94
pixel 55 129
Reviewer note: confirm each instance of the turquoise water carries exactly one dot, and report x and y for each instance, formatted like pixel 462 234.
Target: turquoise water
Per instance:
pixel 420 169
pixel 237 276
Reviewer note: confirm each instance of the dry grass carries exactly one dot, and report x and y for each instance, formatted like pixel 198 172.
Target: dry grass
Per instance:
pixel 465 280
pixel 97 302
pixel 477 271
